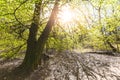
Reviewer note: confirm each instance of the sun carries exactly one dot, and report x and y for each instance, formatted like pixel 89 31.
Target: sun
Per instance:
pixel 67 18
pixel 70 18
pixel 66 15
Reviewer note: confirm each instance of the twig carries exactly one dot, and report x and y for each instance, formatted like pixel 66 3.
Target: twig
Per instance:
pixel 16 11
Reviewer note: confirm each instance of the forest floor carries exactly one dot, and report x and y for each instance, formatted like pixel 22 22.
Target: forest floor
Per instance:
pixel 69 65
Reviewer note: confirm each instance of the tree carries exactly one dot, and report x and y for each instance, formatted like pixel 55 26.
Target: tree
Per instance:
pixel 35 46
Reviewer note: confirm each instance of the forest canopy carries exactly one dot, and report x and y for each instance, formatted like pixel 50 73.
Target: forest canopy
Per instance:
pixel 81 24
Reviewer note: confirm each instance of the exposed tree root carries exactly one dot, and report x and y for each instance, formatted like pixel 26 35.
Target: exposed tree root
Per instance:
pixel 69 65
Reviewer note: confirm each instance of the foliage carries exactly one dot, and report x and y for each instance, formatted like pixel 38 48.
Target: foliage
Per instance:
pixel 88 32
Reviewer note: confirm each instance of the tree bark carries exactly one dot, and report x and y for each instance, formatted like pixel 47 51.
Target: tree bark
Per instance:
pixel 35 47
pixel 111 46
pixel 32 39
pixel 45 34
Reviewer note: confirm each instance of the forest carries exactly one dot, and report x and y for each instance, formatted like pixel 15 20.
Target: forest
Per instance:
pixel 59 39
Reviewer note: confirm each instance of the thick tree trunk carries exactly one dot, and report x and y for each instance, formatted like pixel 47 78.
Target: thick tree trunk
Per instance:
pixel 32 39
pixel 35 47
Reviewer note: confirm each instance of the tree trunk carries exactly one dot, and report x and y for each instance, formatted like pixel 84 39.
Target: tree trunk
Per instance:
pixel 45 34
pixel 111 46
pixel 32 39
pixel 35 47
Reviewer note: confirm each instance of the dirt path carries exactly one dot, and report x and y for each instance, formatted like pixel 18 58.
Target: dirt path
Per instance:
pixel 73 66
